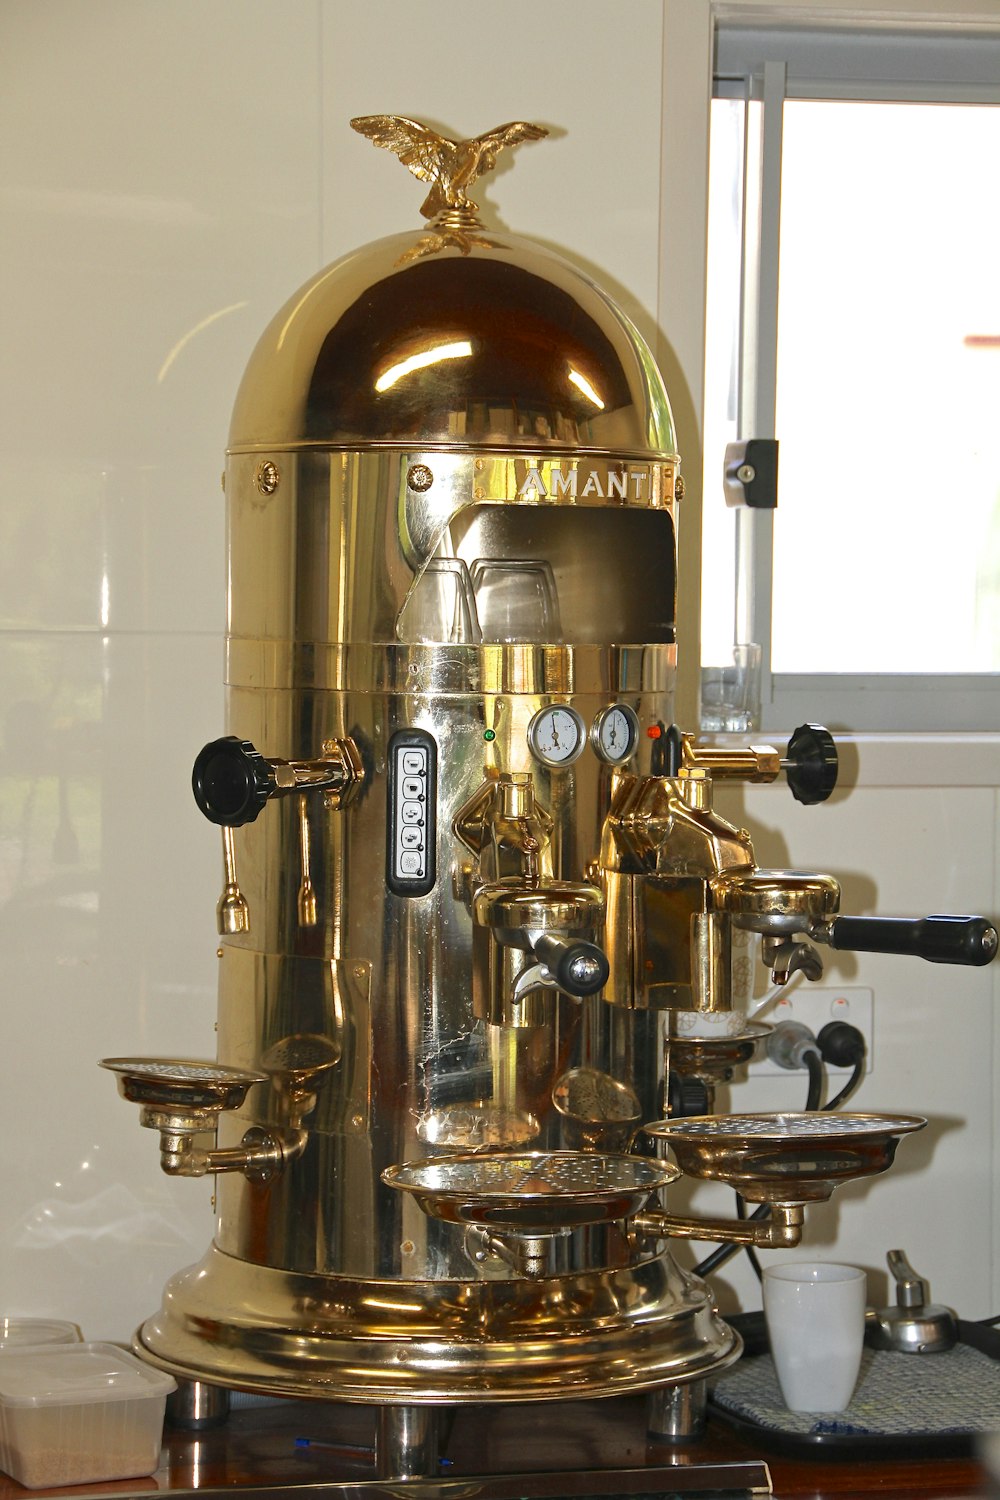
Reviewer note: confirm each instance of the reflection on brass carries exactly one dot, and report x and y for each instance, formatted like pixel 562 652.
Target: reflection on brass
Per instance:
pixel 232 913
pixel 479 1123
pixel 785 1158
pixel 532 1191
pixel 419 987
pixel 306 899
pixel 752 763
pixel 267 478
pixel 612 1331
pixel 449 166
pixel 776 901
pixel 661 850
pixel 182 1099
pixel 713 1058
pixel 781 1230
pixel 599 1113
pixel 785 957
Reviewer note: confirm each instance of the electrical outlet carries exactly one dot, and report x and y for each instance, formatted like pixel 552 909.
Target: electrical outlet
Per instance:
pixel 813 1006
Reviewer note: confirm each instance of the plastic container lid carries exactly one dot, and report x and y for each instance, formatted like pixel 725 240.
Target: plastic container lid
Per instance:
pixel 72 1374
pixel 16 1332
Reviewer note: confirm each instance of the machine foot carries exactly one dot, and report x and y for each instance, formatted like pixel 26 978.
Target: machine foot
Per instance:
pixel 676 1413
pixel 406 1442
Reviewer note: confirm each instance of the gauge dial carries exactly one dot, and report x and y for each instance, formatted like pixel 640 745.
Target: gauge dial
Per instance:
pixel 614 734
pixel 557 735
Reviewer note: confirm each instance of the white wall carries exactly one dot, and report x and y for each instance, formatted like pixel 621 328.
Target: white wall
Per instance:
pixel 168 175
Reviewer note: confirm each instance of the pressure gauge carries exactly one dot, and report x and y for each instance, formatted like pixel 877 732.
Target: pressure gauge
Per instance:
pixel 557 735
pixel 614 734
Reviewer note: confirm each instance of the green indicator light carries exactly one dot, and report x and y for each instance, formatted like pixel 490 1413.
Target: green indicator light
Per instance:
pixel 489 735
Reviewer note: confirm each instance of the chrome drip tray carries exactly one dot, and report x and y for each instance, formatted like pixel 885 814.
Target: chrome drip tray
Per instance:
pixel 532 1191
pixel 716 1056
pixel 785 1158
pixel 181 1083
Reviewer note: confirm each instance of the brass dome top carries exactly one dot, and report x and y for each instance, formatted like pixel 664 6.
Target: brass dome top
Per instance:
pixel 452 336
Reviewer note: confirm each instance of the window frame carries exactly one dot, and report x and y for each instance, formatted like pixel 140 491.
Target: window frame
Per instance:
pixel 764 66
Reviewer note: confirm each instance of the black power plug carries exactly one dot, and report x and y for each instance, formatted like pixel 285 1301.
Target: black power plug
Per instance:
pixel 841 1044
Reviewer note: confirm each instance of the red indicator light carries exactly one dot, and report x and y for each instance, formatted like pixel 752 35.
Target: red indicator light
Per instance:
pixel 654 731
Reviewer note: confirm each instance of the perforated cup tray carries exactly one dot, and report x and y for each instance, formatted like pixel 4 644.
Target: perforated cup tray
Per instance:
pixel 785 1158
pixel 532 1191
pixel 181 1082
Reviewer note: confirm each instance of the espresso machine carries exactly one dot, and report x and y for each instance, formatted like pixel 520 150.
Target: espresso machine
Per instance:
pixel 471 866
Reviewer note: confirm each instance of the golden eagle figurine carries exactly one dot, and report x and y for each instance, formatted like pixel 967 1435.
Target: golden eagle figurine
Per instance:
pixel 449 166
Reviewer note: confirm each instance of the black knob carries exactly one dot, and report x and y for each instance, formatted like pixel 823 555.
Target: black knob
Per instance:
pixel 939 939
pixel 231 781
pixel 687 1096
pixel 577 967
pixel 812 774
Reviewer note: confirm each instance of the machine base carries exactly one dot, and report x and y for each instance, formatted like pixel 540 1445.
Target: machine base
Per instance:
pixel 597 1333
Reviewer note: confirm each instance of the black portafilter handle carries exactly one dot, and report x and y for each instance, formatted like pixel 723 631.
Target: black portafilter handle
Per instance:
pixel 939 939
pixel 578 967
pixel 232 781
pixel 811 764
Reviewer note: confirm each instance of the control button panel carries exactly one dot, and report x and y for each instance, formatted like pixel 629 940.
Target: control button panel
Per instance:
pixel 412 813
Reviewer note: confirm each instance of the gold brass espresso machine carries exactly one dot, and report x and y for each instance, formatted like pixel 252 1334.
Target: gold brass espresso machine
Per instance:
pixel 471 868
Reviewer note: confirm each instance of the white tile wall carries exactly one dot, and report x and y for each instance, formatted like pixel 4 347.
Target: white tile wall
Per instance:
pixel 159 172
pixel 903 850
pixel 168 175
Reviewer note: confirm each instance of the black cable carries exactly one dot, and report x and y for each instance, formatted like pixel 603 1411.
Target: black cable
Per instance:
pixel 845 1093
pixel 725 1252
pixel 814 1067
pixel 755 1266
pixel 845 1040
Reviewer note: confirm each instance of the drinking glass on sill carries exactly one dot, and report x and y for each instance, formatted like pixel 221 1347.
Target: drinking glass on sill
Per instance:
pixel 516 600
pixel 440 608
pixel 730 695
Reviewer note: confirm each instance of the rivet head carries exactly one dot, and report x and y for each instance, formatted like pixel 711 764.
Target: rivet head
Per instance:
pixel 419 478
pixel 746 473
pixel 267 477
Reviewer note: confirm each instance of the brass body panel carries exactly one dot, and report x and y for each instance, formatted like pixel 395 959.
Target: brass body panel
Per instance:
pixel 438 398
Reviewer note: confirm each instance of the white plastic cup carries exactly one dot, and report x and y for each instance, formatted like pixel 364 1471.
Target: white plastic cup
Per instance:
pixel 815 1316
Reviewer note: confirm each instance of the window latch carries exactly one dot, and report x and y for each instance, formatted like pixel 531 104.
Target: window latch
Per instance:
pixel 751 473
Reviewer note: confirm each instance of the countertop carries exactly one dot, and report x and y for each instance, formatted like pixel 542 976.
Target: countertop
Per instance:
pixel 258 1449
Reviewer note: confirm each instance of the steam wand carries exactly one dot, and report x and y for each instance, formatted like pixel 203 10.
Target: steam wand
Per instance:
pixel 232 784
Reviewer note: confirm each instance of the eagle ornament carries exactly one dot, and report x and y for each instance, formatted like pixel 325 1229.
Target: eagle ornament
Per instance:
pixel 449 166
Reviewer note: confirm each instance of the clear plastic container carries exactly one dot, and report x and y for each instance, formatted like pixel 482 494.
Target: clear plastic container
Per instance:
pixel 15 1333
pixel 78 1414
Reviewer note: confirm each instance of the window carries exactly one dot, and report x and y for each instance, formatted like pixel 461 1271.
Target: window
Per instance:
pixel 870 347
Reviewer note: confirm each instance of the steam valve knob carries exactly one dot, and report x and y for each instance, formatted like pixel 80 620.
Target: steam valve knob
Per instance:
pixel 811 764
pixel 232 781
